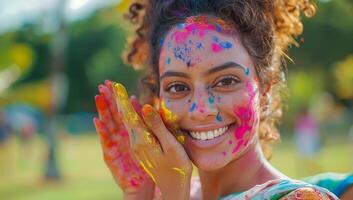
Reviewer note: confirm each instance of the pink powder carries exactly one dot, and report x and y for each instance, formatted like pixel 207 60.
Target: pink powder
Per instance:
pixel 247 118
pixel 192 28
pixel 224 153
pixel 216 47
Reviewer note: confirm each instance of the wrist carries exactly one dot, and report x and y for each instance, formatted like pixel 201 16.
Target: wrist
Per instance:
pixel 179 191
pixel 144 192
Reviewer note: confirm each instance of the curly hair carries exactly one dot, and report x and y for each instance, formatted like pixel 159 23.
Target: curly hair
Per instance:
pixel 267 27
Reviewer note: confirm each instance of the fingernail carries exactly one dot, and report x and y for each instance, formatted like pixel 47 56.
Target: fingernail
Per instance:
pixel 147 111
pixel 107 82
pixel 120 90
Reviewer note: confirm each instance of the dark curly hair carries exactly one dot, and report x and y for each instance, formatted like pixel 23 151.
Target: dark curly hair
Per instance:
pixel 267 28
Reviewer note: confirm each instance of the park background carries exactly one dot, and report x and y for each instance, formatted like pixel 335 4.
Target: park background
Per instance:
pixel 54 53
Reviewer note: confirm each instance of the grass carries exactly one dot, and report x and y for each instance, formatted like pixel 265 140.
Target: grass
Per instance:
pixel 85 176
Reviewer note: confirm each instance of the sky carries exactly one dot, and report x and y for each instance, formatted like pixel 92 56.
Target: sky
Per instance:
pixel 13 13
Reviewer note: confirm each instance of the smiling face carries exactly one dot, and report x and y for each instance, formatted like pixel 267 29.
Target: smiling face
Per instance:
pixel 208 80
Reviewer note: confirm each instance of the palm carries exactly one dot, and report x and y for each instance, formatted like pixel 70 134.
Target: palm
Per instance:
pixel 115 143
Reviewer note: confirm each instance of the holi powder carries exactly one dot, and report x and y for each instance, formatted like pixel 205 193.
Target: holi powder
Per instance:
pixel 247 119
pixel 247 71
pixel 218 46
pixel 130 115
pixel 170 120
pixel 184 52
pixel 193 107
pixel 198 26
pixel 219 117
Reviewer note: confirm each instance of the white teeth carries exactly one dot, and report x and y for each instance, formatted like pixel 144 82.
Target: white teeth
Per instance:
pixel 208 135
pixel 203 136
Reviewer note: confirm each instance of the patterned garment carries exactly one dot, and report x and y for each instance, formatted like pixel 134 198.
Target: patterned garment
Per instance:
pixel 276 189
pixel 334 182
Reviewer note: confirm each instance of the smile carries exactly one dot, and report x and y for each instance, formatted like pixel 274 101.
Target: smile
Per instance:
pixel 208 135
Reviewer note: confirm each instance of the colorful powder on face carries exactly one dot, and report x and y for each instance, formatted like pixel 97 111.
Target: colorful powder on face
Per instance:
pixel 198 45
pixel 247 119
pixel 247 71
pixel 184 52
pixel 171 121
pixel 219 117
pixel 210 100
pixel 216 47
pixel 193 106
pixel 230 142
pixel 161 41
pixel 224 153
pixel 218 28
pixel 226 45
pixel 168 61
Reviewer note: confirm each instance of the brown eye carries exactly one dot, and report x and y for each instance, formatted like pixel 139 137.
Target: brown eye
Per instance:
pixel 177 87
pixel 227 82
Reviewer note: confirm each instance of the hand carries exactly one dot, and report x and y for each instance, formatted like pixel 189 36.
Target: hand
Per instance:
pixel 115 143
pixel 160 154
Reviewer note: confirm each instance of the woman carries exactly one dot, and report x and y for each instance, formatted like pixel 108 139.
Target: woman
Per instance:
pixel 212 97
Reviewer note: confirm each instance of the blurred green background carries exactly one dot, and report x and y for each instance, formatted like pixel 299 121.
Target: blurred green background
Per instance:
pixel 54 53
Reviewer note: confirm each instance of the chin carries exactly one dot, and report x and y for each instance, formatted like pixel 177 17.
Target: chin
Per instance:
pixel 209 154
pixel 206 164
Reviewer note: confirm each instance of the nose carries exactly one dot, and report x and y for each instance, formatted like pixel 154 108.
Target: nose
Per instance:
pixel 203 106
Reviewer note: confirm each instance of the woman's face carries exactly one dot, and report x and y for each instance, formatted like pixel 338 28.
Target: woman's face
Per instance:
pixel 208 80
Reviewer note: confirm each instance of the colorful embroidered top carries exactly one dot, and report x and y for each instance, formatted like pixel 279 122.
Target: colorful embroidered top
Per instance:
pixel 335 182
pixel 276 189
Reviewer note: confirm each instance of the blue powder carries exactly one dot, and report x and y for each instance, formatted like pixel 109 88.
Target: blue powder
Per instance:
pixel 215 39
pixel 199 45
pixel 161 41
pixel 210 100
pixel 218 117
pixel 218 28
pixel 168 61
pixel 180 26
pixel 247 71
pixel 226 45
pixel 193 106
pixel 183 53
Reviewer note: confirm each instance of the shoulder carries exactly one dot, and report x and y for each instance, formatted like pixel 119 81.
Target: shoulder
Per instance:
pixel 306 193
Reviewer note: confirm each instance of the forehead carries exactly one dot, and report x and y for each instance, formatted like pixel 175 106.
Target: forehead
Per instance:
pixel 202 41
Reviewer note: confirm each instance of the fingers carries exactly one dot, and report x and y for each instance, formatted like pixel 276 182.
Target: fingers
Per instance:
pixel 102 131
pixel 132 121
pixel 136 105
pixel 104 114
pixel 155 123
pixel 107 94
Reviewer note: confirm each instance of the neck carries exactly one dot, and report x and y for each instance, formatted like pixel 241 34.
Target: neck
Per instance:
pixel 248 170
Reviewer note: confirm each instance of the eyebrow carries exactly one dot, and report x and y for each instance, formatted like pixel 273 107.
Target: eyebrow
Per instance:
pixel 224 66
pixel 174 73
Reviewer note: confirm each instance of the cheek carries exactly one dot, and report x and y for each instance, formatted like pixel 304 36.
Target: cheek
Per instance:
pixel 247 113
pixel 173 109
